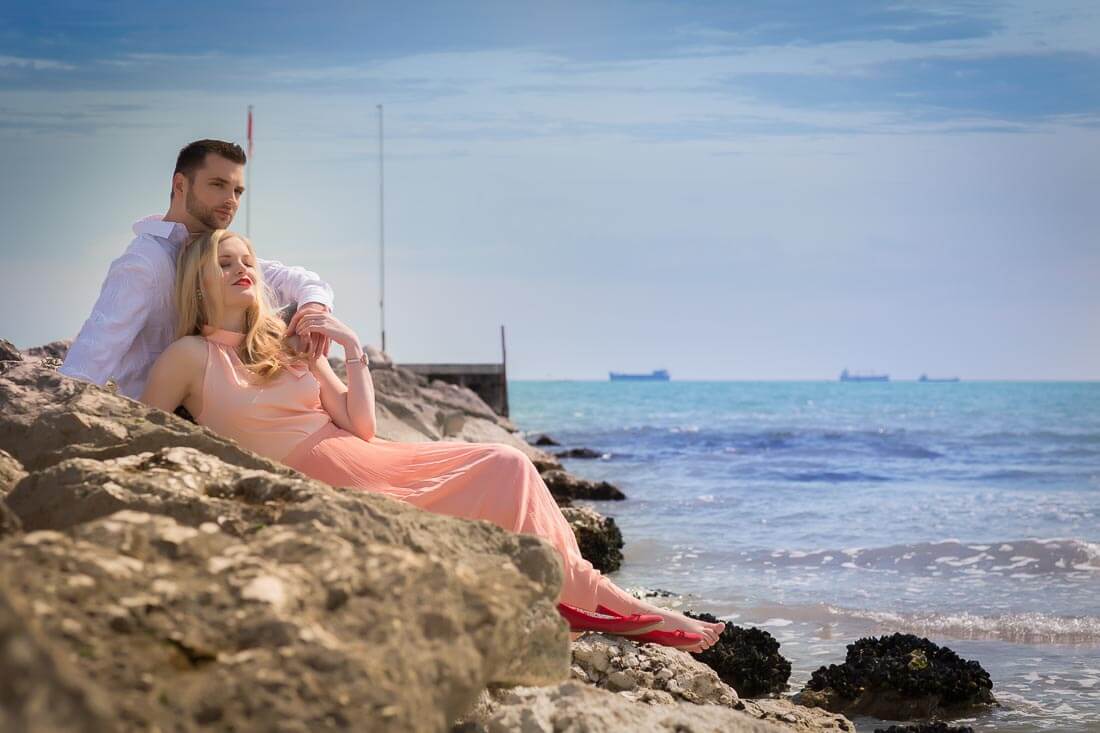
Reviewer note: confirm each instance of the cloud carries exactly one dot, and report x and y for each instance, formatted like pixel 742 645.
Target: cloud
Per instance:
pixel 28 64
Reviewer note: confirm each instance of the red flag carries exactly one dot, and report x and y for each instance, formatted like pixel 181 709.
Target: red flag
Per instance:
pixel 250 131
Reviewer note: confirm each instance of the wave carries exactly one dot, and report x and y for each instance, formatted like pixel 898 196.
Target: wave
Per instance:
pixel 885 443
pixel 1011 558
pixel 833 477
pixel 1014 627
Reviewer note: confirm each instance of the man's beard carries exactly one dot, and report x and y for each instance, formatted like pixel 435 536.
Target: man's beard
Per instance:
pixel 201 213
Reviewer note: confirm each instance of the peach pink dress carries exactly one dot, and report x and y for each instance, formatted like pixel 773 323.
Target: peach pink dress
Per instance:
pixel 285 421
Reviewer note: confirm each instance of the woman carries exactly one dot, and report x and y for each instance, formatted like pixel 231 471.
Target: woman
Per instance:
pixel 233 367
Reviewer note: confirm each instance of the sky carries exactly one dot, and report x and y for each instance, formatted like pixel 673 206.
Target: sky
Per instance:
pixel 728 190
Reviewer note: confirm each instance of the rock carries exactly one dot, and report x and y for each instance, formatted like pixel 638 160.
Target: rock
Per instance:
pixel 746 659
pixel 608 661
pixel 599 537
pixel 544 440
pixel 573 707
pixel 197 489
pixel 378 358
pixel 567 486
pixel 41 691
pixel 9 355
pixel 479 430
pixel 404 391
pixel 300 621
pixel 655 593
pixel 9 523
pixel 579 453
pixel 899 677
pixel 48 417
pixel 53 350
pixel 926 728
pixel 11 472
pixel 796 717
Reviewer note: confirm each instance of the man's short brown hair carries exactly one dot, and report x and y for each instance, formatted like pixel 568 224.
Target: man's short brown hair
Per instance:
pixel 193 156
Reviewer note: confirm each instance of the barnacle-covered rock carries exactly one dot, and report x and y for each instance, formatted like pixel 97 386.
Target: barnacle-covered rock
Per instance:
pixel 747 659
pixel 900 677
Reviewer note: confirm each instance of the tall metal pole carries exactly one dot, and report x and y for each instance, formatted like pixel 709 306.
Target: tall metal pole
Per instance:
pixel 503 373
pixel 248 181
pixel 381 234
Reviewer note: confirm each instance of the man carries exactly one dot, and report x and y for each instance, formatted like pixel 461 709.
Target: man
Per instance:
pixel 134 318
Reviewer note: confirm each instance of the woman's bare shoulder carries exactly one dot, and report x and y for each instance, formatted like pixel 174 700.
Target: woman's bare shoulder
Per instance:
pixel 186 351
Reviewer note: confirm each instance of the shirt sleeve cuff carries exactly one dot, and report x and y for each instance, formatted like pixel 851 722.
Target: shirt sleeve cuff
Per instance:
pixel 315 294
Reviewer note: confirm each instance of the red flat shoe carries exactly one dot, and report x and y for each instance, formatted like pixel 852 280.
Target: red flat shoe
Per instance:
pixel 636 623
pixel 678 639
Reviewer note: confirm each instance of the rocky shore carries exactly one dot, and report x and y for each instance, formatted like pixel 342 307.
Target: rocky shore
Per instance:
pixel 154 576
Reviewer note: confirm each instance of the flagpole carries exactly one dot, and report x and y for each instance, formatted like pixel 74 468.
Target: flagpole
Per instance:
pixel 248 181
pixel 381 234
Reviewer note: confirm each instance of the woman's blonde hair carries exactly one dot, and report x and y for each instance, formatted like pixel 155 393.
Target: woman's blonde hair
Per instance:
pixel 264 351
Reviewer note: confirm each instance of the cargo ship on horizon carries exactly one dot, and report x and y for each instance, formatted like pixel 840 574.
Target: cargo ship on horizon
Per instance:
pixel 845 376
pixel 926 378
pixel 657 375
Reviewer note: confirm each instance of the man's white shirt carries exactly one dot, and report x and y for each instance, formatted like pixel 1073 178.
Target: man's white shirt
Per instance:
pixel 134 318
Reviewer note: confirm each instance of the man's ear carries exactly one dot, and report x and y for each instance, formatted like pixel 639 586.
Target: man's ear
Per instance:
pixel 178 181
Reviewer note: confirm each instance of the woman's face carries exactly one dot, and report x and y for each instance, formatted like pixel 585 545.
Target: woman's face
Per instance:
pixel 237 268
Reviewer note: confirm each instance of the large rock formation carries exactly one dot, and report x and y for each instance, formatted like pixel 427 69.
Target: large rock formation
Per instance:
pixel 189 582
pixel 900 677
pixel 296 627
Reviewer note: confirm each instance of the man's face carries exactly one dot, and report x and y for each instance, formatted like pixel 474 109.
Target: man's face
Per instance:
pixel 216 193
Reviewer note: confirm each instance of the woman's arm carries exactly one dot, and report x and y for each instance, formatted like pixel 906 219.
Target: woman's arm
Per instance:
pixel 176 377
pixel 351 407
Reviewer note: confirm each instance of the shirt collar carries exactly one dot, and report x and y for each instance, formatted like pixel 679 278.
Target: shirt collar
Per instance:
pixel 154 225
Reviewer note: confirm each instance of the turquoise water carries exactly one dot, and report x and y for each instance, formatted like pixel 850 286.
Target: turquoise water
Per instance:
pixel 968 513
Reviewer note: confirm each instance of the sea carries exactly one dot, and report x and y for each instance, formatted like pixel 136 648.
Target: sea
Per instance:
pixel 823 512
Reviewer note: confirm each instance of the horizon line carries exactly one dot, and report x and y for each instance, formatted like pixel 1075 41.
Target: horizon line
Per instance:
pixel 1084 380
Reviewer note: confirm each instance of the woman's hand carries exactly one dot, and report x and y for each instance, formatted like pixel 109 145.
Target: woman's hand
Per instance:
pixel 318 345
pixel 328 326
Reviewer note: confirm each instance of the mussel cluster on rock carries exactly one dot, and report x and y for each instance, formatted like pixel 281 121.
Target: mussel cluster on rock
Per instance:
pixel 926 728
pixel 899 677
pixel 599 538
pixel 748 660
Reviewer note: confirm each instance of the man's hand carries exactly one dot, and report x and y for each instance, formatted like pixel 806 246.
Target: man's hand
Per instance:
pixel 312 324
pixel 319 343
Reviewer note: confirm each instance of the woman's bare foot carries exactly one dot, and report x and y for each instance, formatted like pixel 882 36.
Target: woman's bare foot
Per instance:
pixel 622 602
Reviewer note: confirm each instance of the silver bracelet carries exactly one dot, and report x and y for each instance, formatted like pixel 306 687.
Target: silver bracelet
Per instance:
pixel 361 359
